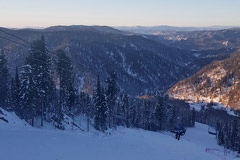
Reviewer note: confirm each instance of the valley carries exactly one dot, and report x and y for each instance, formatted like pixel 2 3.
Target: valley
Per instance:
pixel 139 60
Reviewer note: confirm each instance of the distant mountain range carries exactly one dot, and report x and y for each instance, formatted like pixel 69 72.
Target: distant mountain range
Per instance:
pixel 204 40
pixel 144 63
pixel 190 38
pixel 165 28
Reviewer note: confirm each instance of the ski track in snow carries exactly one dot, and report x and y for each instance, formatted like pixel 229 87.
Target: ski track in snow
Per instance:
pixel 22 142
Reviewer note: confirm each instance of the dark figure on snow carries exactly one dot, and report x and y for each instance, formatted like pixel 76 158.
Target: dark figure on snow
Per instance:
pixel 180 131
pixel 178 135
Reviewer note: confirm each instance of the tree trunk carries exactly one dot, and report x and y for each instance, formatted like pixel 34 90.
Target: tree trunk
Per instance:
pixel 88 122
pixel 32 118
pixel 42 114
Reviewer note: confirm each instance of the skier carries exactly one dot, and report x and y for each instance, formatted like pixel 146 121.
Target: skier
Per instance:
pixel 180 132
pixel 178 135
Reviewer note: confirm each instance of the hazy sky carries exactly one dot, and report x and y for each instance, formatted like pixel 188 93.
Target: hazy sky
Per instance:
pixel 42 13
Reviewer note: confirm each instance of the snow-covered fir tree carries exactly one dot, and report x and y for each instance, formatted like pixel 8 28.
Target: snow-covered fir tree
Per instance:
pixel 28 95
pixel 67 93
pixel 4 81
pixel 111 97
pixel 100 117
pixel 160 113
pixel 16 93
pixel 40 62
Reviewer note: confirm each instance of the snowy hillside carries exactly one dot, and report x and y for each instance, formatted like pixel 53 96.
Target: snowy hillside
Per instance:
pixel 19 141
pixel 198 106
pixel 217 82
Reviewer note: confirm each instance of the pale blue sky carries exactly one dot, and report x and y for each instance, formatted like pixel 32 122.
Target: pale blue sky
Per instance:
pixel 43 13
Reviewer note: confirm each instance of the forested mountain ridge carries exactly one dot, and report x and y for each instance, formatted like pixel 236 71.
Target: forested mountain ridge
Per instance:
pixel 217 82
pixel 203 40
pixel 94 50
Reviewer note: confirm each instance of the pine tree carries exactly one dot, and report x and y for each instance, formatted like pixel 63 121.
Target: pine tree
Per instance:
pixel 89 111
pixel 120 111
pixel 220 137
pixel 17 93
pixel 133 113
pixel 66 84
pixel 4 83
pixel 138 114
pixel 126 109
pixel 100 107
pixel 28 94
pixel 146 116
pixel 226 135
pixel 97 103
pixel 160 113
pixel 234 134
pixel 111 94
pixel 12 96
pixel 103 111
pixel 173 118
pixel 39 60
pixel 238 140
pixel 193 117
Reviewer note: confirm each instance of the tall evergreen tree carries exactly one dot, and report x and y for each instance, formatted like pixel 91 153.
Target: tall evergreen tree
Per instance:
pixel 126 109
pixel 39 60
pixel 220 136
pixel 97 103
pixel 103 111
pixel 100 107
pixel 17 93
pixel 89 111
pixel 67 93
pixel 111 94
pixel 120 117
pixel 28 95
pixel 226 134
pixel 193 117
pixel 234 135
pixel 160 113
pixel 4 83
pixel 146 115
pixel 12 94
pixel 173 118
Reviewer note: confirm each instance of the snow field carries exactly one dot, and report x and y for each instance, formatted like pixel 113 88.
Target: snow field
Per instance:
pixel 19 141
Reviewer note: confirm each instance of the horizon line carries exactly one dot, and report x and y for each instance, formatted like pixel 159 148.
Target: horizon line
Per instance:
pixel 129 26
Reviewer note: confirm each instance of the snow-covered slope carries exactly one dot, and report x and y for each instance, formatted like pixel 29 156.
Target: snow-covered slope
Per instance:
pixel 25 143
pixel 198 107
pixel 9 120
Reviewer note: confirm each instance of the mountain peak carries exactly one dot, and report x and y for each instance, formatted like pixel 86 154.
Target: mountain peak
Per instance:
pixel 102 29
